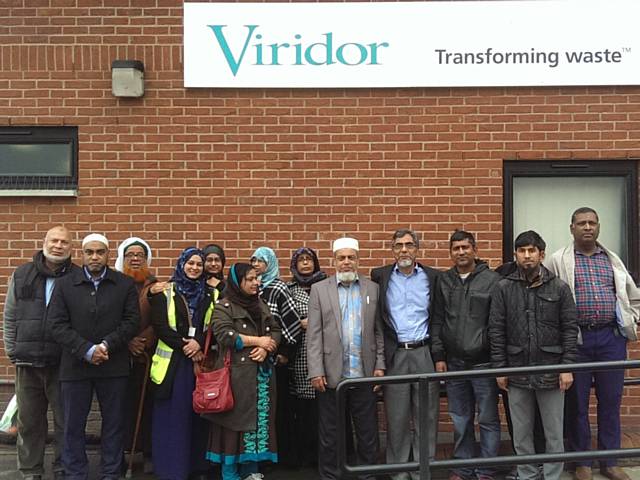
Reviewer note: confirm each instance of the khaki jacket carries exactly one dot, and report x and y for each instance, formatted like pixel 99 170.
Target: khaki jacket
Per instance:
pixel 562 263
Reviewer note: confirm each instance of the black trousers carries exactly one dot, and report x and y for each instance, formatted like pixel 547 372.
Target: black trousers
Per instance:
pixel 76 400
pixel 361 406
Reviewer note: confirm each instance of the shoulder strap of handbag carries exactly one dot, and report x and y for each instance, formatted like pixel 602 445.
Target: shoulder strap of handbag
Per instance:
pixel 207 345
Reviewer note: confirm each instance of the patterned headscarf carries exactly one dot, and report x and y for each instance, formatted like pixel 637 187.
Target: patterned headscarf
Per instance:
pixel 272 272
pixel 192 290
pixel 306 280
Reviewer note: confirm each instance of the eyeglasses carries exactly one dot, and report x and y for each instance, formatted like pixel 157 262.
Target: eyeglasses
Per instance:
pixel 131 255
pixel 397 247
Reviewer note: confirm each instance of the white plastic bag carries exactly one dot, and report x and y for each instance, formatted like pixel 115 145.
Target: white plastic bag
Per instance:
pixel 7 419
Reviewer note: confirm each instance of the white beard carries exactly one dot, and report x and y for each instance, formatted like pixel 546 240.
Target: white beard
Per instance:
pixel 346 277
pixel 54 258
pixel 405 263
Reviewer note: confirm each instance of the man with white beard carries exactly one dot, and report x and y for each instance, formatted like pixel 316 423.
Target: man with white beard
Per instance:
pixel 35 354
pixel 344 340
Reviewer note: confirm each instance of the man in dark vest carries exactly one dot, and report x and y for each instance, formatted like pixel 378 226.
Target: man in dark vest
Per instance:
pixel 34 353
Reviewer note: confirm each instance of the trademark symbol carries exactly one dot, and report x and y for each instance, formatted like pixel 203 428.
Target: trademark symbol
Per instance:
pixel 626 49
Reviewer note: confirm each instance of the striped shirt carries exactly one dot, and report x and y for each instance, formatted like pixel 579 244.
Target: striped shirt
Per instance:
pixel 351 309
pixel 595 289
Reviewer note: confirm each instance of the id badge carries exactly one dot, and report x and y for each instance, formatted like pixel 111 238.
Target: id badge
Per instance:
pixel 192 332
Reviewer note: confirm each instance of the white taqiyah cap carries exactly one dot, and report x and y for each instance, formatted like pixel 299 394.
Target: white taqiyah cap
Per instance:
pixel 95 237
pixel 345 242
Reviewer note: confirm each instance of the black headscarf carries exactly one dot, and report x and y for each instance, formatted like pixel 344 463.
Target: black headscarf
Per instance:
pixel 306 280
pixel 192 290
pixel 218 250
pixel 234 293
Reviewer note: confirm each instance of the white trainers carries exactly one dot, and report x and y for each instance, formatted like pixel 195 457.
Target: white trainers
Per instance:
pixel 254 476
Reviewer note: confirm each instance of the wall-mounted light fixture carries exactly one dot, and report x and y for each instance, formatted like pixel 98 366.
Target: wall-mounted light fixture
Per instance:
pixel 127 78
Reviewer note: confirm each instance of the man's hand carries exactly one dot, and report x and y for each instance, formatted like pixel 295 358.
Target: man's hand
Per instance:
pixel 100 355
pixel 319 383
pixel 377 373
pixel 502 383
pixel 191 347
pixel 268 343
pixel 258 354
pixel 137 345
pixel 441 366
pixel 566 379
pixel 282 359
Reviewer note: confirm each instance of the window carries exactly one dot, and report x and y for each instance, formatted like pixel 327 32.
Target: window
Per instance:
pixel 542 195
pixel 38 161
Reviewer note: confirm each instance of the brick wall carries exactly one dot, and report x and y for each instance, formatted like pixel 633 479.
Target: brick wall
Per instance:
pixel 276 167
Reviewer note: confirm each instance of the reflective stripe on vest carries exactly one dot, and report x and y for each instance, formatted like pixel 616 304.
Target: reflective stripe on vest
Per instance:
pixel 162 355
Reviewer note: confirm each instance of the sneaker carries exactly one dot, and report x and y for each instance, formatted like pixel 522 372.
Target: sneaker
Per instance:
pixel 254 476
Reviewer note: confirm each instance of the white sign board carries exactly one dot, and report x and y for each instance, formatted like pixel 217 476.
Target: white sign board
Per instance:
pixel 412 44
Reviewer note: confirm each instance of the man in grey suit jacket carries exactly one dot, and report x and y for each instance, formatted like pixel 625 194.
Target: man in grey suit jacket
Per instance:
pixel 405 307
pixel 344 340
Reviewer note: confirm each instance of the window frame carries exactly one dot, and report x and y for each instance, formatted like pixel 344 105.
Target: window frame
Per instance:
pixel 30 185
pixel 628 169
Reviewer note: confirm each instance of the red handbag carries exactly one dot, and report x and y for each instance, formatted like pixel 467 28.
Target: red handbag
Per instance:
pixel 213 389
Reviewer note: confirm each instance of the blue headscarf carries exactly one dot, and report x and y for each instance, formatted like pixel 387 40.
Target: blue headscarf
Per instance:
pixel 272 272
pixel 192 290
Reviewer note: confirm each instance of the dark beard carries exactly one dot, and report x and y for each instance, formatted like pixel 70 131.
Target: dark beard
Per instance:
pixel 139 275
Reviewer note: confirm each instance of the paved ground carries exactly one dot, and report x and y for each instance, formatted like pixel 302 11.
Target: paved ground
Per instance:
pixel 8 469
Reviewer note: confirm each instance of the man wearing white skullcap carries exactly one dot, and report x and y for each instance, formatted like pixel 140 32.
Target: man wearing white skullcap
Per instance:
pixel 345 340
pixel 93 315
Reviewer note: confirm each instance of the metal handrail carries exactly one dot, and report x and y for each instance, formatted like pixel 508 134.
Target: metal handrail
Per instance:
pixel 423 379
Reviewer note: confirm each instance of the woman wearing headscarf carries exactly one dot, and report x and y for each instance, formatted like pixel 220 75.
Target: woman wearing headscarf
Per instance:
pixel 214 266
pixel 179 316
pixel 281 305
pixel 305 269
pixel 243 326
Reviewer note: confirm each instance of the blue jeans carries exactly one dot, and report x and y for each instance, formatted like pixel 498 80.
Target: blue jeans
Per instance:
pixel 463 397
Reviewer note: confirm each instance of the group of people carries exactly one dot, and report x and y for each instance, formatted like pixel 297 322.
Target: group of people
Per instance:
pixel 75 330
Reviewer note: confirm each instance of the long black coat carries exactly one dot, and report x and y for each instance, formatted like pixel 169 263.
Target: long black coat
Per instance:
pixel 173 338
pixel 532 326
pixel 81 316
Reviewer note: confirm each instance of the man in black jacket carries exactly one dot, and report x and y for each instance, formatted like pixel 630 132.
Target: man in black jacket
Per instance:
pixel 405 305
pixel 35 354
pixel 93 315
pixel 533 322
pixel 461 342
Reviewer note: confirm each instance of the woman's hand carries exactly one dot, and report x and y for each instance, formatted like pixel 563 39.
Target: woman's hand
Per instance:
pixel 258 354
pixel 304 323
pixel 268 343
pixel 158 287
pixel 198 357
pixel 191 347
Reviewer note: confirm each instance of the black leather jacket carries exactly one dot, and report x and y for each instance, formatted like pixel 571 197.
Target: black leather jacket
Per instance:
pixel 532 326
pixel 461 315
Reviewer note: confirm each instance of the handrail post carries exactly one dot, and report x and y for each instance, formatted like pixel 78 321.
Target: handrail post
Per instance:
pixel 341 432
pixel 423 421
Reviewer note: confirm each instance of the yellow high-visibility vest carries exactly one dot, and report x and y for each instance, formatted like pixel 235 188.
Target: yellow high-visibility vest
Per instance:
pixel 162 355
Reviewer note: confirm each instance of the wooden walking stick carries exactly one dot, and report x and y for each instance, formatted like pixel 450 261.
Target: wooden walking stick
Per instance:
pixel 147 367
